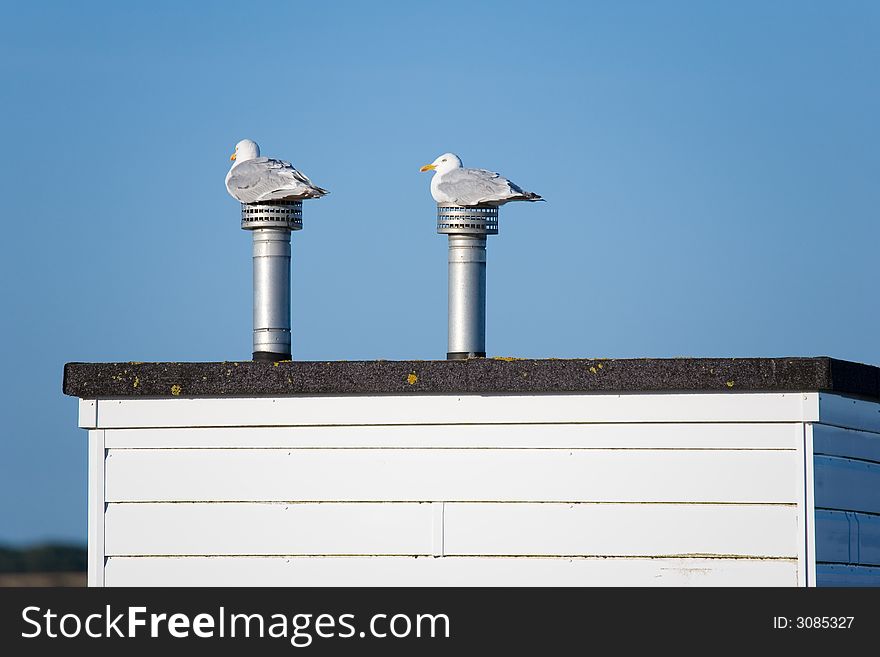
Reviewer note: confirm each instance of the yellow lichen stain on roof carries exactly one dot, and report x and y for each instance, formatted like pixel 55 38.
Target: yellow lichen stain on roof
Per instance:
pixel 412 379
pixel 729 384
pixel 137 382
pixel 506 359
pixel 275 363
pixel 593 370
pixel 175 390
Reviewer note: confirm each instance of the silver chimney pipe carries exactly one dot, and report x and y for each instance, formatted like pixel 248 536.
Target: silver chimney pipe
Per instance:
pixel 271 223
pixel 467 228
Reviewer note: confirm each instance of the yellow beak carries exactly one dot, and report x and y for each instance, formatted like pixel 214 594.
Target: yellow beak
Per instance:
pixel 428 167
pixel 232 157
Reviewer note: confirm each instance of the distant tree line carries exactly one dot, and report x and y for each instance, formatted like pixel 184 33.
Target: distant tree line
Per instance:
pixel 43 559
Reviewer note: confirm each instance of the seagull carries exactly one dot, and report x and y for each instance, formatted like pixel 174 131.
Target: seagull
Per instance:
pixel 459 186
pixel 254 179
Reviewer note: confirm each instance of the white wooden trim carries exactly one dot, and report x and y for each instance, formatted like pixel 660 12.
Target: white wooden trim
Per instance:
pixel 438 529
pixel 448 571
pixel 809 481
pixel 88 413
pixel 577 436
pixel 96 508
pixel 847 484
pixel 850 413
pixel 454 409
pixel 810 406
pixel 809 518
pixel 529 475
pixel 849 443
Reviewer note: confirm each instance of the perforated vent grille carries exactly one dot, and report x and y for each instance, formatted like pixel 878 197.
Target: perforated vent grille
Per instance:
pixel 475 220
pixel 272 214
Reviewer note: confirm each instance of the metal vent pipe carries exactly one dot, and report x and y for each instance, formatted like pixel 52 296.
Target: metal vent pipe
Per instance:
pixel 467 228
pixel 271 223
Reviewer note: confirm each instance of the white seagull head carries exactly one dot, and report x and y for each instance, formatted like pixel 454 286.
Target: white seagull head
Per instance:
pixel 245 150
pixel 444 163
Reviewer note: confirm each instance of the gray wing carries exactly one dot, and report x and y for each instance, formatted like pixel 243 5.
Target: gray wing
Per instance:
pixel 474 186
pixel 265 179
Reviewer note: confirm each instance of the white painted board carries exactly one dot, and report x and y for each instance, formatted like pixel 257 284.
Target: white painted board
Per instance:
pixel 456 409
pixel 479 529
pixel 268 529
pixel 446 571
pixel 582 436
pixel 452 475
pixel 621 529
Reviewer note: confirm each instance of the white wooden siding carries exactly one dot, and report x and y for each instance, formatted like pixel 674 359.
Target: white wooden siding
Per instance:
pixel 401 475
pixel 478 529
pixel 552 490
pixel 447 571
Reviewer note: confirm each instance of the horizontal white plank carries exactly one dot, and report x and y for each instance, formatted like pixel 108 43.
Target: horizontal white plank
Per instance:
pixel 584 436
pixel 848 538
pixel 847 412
pixel 847 484
pixel 840 575
pixel 837 441
pixel 445 571
pixel 210 529
pixel 260 529
pixel 455 409
pixel 530 475
pixel 621 529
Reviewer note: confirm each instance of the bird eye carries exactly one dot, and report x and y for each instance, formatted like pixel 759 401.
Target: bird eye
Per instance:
pixel 443 160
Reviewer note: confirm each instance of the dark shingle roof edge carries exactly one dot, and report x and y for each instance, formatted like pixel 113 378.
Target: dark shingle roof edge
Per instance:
pixel 475 376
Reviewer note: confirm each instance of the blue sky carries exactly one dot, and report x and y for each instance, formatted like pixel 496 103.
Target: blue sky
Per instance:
pixel 711 171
